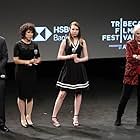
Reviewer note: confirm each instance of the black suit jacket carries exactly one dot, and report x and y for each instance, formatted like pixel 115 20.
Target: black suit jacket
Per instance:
pixel 3 56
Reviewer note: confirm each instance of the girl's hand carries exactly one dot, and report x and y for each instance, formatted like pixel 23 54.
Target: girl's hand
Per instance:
pixel 73 56
pixel 77 59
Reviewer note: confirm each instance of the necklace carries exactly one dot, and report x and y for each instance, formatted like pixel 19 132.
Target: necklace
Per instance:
pixel 26 41
pixel 75 46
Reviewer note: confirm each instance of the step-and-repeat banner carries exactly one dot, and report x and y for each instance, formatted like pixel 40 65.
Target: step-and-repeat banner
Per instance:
pixel 105 25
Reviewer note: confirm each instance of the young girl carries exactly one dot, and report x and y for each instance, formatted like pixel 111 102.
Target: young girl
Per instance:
pixel 73 76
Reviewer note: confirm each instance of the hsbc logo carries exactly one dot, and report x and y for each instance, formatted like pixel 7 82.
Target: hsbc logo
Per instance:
pixel 43 34
pixel 59 33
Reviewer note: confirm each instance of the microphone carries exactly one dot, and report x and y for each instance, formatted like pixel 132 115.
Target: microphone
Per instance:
pixel 2 76
pixel 35 55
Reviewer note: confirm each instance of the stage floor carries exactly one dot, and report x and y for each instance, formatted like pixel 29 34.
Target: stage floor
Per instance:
pixel 97 115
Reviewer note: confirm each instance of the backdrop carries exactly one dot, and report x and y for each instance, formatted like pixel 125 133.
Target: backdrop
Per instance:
pixel 105 25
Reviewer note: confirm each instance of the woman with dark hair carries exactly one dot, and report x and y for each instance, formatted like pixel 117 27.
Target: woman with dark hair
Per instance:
pixel 73 76
pixel 26 56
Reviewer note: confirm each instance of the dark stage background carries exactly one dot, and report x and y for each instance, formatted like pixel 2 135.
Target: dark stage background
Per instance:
pixel 109 67
pixel 98 110
pixel 106 26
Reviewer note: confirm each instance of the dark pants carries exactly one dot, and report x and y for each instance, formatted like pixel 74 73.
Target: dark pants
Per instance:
pixel 2 102
pixel 126 94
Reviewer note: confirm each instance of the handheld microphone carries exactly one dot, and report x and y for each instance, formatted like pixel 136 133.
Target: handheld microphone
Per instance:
pixel 35 53
pixel 2 76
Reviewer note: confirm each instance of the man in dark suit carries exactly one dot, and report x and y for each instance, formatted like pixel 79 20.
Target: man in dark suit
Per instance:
pixel 3 62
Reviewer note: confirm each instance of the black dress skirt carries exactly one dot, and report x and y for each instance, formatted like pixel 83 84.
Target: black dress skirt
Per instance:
pixel 73 76
pixel 25 75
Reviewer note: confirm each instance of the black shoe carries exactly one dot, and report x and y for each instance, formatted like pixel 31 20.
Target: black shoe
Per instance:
pixel 30 125
pixel 4 128
pixel 118 122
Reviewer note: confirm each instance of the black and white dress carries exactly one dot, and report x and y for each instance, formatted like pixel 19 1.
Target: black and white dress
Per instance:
pixel 73 75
